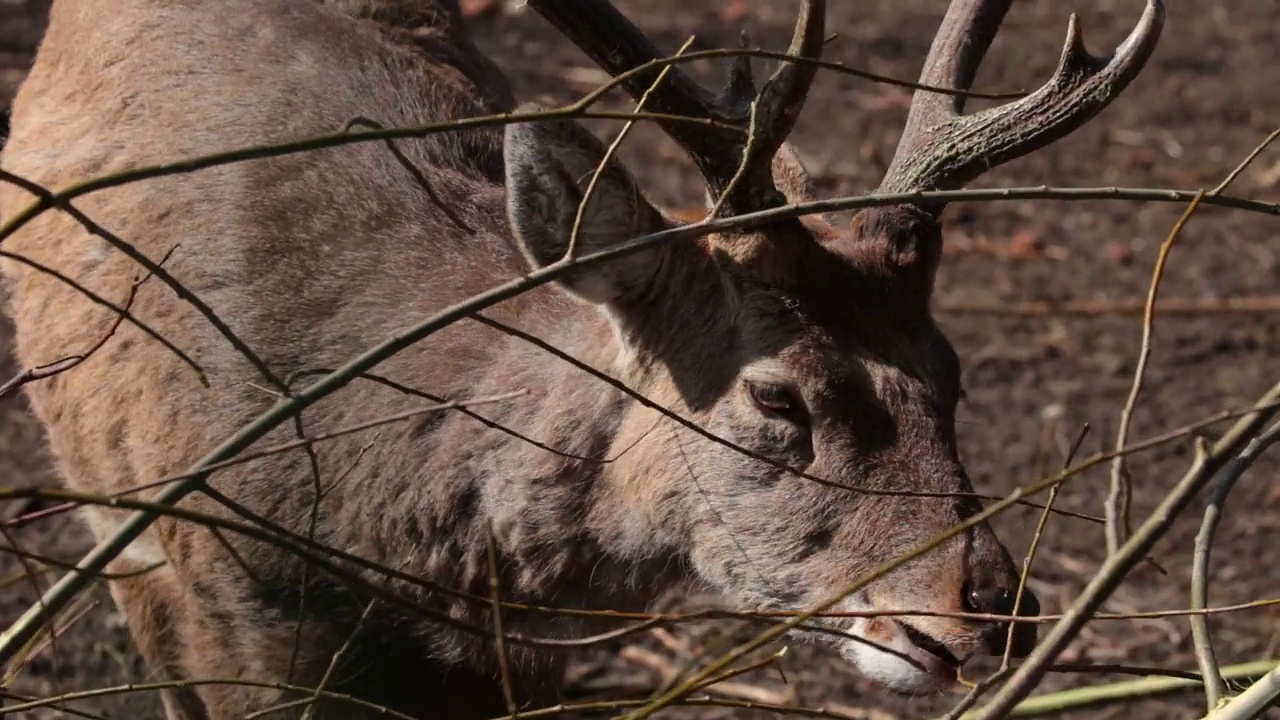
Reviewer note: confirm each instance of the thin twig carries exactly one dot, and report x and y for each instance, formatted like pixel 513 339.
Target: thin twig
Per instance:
pixel 557 711
pixel 981 687
pixel 416 173
pixel 580 109
pixel 333 662
pixel 6 694
pixel 31 575
pixel 1035 544
pixel 99 300
pixel 482 419
pixel 53 563
pixel 1215 688
pixel 495 608
pixel 53 200
pixel 1121 486
pixel 575 232
pixel 1119 495
pixel 64 364
pixel 73 614
pixel 1246 162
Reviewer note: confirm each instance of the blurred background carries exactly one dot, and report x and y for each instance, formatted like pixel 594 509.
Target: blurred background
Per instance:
pixel 1042 300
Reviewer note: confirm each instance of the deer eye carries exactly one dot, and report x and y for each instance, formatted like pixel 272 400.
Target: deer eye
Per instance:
pixel 774 399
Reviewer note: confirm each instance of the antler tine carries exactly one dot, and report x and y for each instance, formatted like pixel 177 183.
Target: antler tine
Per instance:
pixel 779 104
pixel 942 149
pixel 617 46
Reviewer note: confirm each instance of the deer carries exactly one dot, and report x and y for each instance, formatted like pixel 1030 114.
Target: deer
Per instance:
pixel 818 391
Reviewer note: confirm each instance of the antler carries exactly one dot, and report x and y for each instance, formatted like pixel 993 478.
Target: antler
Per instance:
pixel 615 44
pixel 941 149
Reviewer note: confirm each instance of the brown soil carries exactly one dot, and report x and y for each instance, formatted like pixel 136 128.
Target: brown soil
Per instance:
pixel 1206 99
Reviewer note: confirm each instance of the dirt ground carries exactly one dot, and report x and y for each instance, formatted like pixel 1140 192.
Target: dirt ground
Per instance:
pixel 1206 99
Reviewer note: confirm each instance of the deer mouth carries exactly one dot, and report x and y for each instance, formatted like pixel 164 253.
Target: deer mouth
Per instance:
pixel 900 657
pixel 932 656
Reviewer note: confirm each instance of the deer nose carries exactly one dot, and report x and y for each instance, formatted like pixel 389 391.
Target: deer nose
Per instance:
pixel 999 600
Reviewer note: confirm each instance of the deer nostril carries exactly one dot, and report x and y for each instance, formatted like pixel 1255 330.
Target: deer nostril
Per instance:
pixel 995 600
pixel 1000 601
pixel 990 600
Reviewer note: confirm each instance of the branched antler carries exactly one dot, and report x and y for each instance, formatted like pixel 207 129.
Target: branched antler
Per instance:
pixel 943 149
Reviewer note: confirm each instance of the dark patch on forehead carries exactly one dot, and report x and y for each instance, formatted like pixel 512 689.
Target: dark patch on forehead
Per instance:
pixel 826 300
pixel 867 275
pixel 838 304
pixel 842 292
pixel 837 314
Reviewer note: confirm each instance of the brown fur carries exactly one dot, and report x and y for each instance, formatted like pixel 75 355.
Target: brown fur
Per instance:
pixel 312 258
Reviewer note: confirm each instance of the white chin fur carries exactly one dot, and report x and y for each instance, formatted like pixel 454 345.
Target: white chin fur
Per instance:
pixel 886 660
pixel 887 668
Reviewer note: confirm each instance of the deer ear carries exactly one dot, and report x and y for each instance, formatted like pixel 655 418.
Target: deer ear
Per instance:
pixel 549 167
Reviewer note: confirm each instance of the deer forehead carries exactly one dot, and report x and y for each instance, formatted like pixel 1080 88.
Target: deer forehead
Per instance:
pixel 841 320
pixel 842 376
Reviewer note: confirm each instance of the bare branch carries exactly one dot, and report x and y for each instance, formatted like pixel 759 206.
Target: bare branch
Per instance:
pixel 1120 488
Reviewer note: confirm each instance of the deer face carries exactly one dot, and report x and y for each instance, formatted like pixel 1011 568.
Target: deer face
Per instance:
pixel 858 392
pixel 809 350
pixel 814 352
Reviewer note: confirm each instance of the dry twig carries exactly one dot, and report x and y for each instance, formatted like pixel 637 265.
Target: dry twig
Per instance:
pixel 1119 495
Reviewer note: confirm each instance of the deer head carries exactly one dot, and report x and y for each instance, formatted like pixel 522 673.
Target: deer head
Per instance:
pixel 810 345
